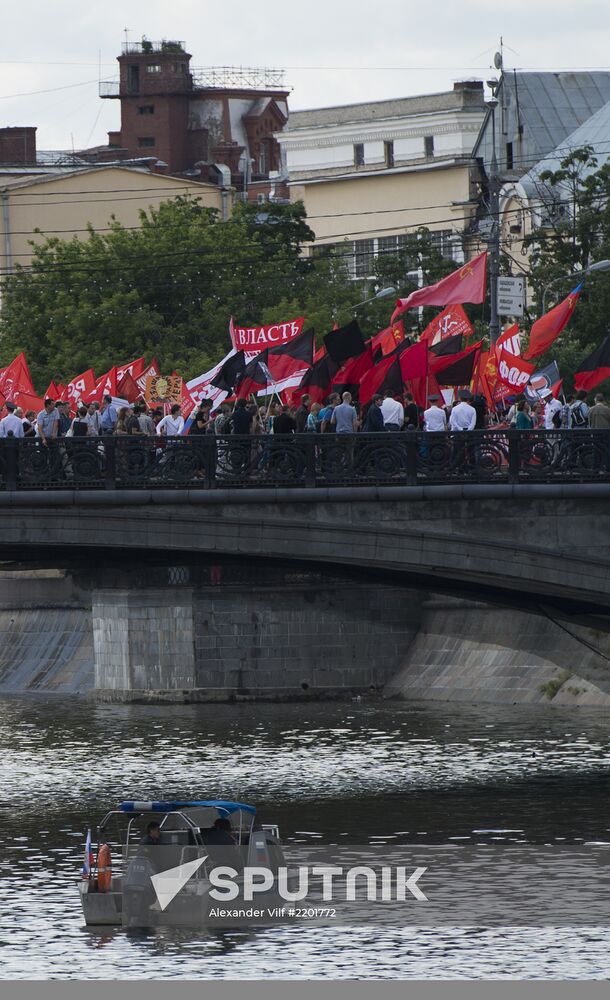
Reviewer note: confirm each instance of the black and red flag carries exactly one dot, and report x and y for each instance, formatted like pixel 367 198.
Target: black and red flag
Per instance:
pixel 291 357
pixel 256 376
pixel 352 371
pixel 449 345
pixel 317 381
pixel 345 343
pixel 595 368
pixel 231 372
pixel 456 369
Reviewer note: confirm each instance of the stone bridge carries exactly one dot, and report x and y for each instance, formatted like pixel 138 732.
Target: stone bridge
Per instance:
pixel 336 565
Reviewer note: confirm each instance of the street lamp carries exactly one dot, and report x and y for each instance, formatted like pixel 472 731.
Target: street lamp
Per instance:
pixel 383 293
pixel 494 211
pixel 599 265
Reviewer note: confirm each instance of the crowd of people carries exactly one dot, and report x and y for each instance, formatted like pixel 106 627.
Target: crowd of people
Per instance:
pixel 339 414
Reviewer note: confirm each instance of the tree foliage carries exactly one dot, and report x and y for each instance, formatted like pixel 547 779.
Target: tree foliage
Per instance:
pixel 573 233
pixel 168 288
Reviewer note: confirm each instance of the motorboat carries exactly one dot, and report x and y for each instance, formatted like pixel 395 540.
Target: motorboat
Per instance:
pixel 146 849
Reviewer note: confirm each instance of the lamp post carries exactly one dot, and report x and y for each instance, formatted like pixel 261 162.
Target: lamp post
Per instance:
pixel 383 293
pixel 600 265
pixel 494 211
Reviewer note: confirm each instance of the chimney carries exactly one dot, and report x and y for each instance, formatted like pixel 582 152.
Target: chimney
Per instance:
pixel 18 146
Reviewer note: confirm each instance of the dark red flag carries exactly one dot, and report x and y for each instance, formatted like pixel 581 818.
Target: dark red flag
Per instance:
pixel 546 329
pixel 386 341
pixel 467 284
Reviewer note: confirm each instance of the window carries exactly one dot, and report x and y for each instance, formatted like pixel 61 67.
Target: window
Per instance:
pixel 429 145
pixel 133 79
pixel 146 140
pixel 154 68
pixel 363 259
pixel 509 156
pixel 146 109
pixel 445 242
pixel 262 158
pixel 179 67
pixel 388 149
pixel 359 154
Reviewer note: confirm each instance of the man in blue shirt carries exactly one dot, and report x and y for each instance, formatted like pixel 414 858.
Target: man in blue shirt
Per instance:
pixel 109 416
pixel 345 418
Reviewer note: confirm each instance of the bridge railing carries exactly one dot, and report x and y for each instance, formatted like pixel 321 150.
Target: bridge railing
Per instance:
pixel 208 462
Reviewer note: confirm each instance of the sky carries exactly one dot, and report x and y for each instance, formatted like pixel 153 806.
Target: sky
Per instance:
pixel 52 55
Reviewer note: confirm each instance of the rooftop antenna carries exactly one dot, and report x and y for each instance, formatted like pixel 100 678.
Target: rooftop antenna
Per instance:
pixel 126 30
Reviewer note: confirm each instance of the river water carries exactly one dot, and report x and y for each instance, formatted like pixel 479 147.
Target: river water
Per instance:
pixel 355 773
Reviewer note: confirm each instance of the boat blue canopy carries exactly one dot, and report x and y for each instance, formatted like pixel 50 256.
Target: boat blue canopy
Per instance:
pixel 221 804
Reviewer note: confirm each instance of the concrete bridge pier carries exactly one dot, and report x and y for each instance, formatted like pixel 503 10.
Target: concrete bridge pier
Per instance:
pixel 228 631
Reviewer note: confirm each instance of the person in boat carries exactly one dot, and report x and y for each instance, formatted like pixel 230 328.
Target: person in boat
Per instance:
pixel 152 835
pixel 220 834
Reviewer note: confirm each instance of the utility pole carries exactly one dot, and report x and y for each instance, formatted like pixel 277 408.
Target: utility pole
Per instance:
pixel 494 211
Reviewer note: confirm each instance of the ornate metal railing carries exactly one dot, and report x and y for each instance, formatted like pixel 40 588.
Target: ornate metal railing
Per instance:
pixel 208 462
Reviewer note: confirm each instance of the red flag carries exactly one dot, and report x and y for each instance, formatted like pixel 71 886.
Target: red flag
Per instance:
pixel 387 340
pixel 127 388
pixel 79 387
pixel 546 329
pixel 28 401
pixel 510 340
pixel 448 323
pixel 467 284
pixel 133 368
pixel 414 370
pixel 373 379
pixel 53 391
pixel 513 371
pixel 16 377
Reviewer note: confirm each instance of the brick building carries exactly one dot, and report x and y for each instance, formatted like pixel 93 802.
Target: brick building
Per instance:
pixel 217 124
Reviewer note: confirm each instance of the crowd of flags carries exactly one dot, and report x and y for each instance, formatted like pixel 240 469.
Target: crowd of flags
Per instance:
pixel 438 362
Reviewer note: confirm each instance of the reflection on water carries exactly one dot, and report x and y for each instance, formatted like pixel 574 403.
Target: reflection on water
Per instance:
pixel 344 773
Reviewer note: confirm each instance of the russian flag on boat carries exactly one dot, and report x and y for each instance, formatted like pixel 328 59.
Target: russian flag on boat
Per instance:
pixel 88 861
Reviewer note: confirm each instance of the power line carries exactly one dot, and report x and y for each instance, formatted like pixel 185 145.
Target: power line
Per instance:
pixel 50 90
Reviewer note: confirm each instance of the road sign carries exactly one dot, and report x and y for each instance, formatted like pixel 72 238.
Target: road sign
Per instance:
pixel 511 292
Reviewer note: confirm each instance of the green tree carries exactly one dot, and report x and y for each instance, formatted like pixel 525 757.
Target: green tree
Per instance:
pixel 574 233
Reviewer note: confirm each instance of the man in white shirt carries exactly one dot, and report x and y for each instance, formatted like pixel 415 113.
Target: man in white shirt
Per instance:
pixel 393 413
pixel 551 407
pixel 11 425
pixel 172 425
pixel 463 415
pixel 435 418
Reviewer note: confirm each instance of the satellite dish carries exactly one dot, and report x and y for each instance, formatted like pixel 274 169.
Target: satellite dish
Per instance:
pixel 498 60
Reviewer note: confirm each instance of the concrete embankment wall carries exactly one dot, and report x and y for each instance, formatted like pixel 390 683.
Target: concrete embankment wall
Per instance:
pixel 475 652
pixel 303 639
pixel 46 641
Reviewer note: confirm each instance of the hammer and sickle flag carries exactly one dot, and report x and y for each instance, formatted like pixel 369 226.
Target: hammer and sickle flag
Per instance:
pixel 163 389
pixel 467 284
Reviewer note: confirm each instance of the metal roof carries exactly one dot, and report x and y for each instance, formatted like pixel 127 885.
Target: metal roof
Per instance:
pixel 537 111
pixel 595 132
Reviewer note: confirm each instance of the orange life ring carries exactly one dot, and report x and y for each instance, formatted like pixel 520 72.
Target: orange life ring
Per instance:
pixel 104 868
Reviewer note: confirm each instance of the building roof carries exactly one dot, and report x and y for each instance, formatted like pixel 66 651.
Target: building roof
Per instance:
pixel 595 132
pixel 397 107
pixel 46 178
pixel 537 111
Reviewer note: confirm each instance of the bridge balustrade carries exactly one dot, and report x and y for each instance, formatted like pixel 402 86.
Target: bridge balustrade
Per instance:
pixel 308 460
